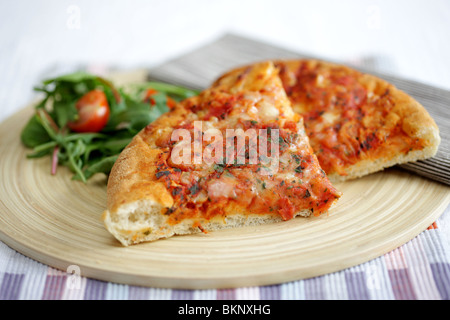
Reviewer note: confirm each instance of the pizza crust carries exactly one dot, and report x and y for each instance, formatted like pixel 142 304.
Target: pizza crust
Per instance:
pixel 142 221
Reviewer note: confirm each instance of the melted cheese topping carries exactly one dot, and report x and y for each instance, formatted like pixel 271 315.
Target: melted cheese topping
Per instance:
pixel 345 121
pixel 205 189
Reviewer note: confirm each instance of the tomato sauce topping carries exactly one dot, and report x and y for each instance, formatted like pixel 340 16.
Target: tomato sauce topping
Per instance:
pixel 203 191
pixel 344 122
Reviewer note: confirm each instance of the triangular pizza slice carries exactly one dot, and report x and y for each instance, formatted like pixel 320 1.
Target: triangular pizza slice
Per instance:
pixel 357 123
pixel 235 155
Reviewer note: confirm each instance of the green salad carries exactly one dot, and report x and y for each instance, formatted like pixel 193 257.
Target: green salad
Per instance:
pixel 84 121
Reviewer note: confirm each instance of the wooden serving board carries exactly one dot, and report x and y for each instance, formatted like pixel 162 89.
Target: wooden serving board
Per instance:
pixel 57 221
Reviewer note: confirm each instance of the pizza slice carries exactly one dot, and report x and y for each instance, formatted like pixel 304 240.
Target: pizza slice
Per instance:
pixel 357 123
pixel 233 156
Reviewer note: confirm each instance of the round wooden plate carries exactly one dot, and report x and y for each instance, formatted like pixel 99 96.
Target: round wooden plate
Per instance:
pixel 56 221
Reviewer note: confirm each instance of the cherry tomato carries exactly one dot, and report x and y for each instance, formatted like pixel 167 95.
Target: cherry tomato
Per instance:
pixel 93 112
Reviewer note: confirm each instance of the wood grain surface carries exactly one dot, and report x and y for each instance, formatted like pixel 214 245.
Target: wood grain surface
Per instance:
pixel 56 221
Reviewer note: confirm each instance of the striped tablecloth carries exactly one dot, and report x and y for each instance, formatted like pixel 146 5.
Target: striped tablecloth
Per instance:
pixel 420 269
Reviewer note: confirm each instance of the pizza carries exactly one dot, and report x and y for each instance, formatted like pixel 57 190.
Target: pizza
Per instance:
pixel 356 123
pixel 235 155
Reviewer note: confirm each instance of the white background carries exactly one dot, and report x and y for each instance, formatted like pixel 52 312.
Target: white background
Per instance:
pixel 41 37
